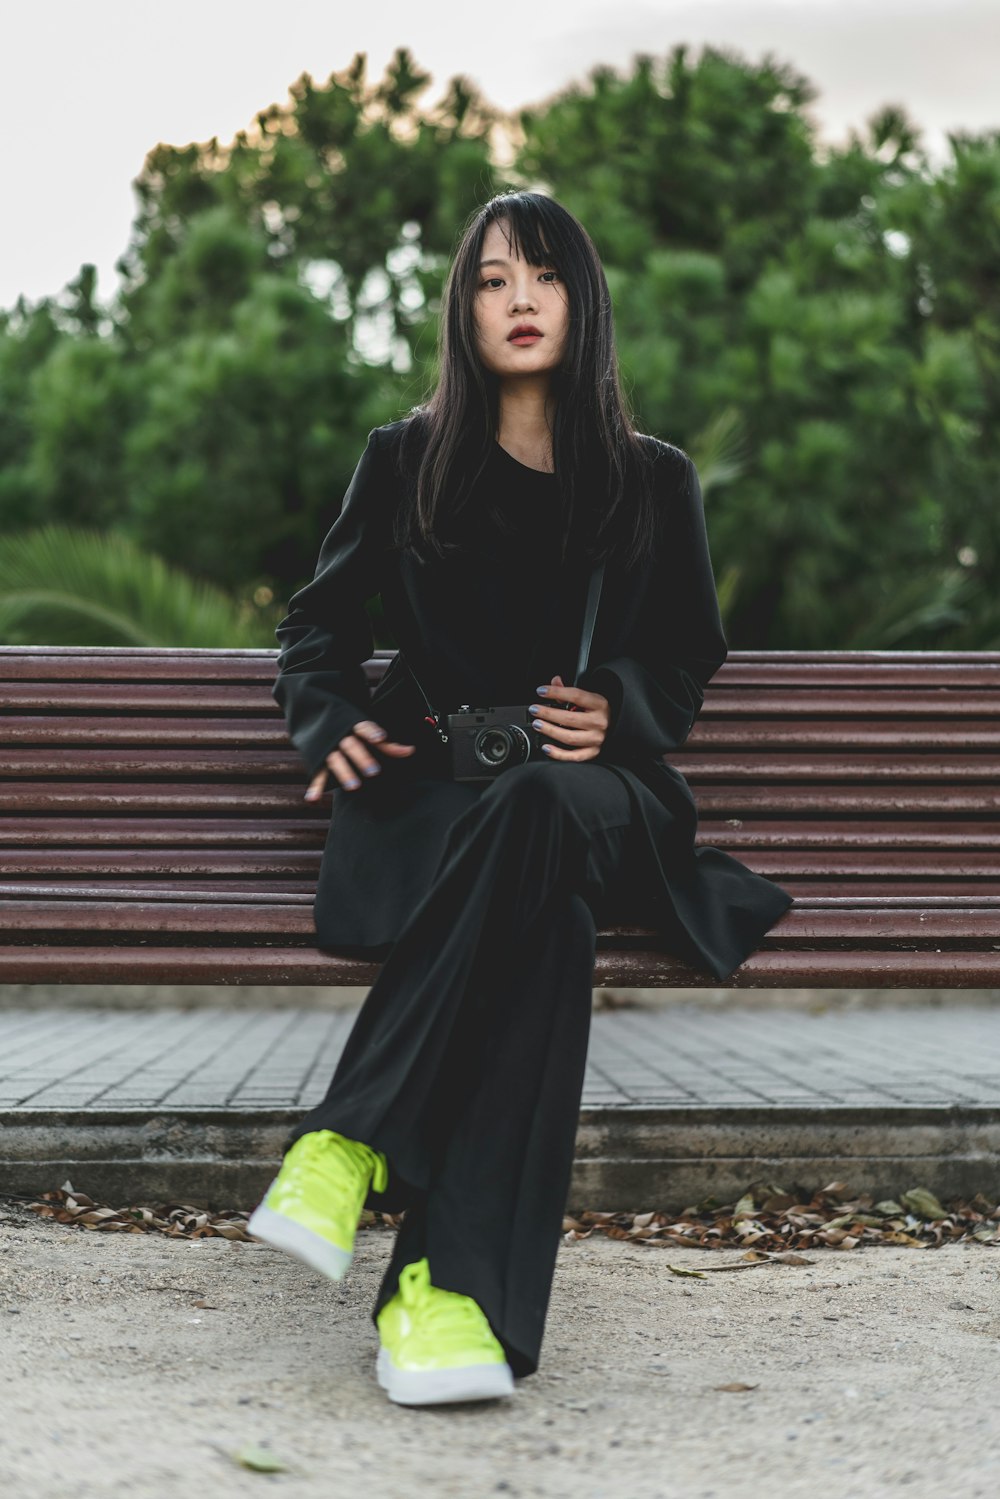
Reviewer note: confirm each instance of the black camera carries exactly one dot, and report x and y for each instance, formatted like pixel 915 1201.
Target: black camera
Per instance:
pixel 484 742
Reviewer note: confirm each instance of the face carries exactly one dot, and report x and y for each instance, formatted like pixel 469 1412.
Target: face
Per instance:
pixel 511 292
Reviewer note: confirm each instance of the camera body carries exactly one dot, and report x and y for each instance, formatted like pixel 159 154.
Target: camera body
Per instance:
pixel 484 742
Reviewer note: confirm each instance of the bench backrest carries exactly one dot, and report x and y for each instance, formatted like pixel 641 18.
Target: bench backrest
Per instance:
pixel 839 774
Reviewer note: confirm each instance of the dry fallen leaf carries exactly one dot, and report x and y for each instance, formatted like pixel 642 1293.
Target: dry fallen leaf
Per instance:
pixel 767 1221
pixel 735 1385
pixel 923 1203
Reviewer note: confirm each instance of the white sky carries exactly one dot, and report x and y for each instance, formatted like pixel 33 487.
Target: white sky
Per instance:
pixel 89 89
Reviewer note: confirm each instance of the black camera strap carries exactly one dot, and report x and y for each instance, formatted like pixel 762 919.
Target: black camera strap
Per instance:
pixel 589 617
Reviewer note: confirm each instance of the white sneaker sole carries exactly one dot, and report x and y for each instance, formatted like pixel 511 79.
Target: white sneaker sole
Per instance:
pixel 441 1386
pixel 295 1239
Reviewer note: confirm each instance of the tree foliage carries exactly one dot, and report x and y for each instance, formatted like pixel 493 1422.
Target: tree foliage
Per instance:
pixel 819 326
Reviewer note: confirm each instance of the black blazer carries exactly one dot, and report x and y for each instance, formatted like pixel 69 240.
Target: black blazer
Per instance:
pixel 658 639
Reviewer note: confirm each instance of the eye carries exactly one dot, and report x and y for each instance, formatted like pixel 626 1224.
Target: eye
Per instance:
pixel 489 279
pixel 551 273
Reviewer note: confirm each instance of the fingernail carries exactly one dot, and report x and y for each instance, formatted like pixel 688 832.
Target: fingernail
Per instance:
pixel 377 735
pixel 541 691
pixel 534 708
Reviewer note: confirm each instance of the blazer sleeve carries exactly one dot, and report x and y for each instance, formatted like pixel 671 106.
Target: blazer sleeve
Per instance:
pixel 327 635
pixel 656 691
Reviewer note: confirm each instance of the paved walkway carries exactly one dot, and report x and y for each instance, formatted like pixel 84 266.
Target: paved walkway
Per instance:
pixel 221 1059
pixel 679 1103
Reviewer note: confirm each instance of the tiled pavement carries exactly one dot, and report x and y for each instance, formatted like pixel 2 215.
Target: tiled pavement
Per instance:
pixel 681 1055
pixel 679 1102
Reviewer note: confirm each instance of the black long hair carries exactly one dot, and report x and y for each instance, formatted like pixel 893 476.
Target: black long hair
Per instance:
pixel 602 465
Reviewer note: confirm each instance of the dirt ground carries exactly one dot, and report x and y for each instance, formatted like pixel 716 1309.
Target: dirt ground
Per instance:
pixel 874 1372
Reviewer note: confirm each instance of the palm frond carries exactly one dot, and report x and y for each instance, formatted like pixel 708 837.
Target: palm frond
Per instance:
pixel 62 585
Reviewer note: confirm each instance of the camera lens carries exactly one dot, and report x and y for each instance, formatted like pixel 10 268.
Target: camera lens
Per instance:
pixel 501 743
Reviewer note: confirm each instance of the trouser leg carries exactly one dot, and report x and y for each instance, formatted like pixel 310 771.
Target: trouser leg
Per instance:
pixel 491 1222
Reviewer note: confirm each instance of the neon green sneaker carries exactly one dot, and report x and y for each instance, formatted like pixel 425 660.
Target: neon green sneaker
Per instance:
pixel 437 1345
pixel 312 1207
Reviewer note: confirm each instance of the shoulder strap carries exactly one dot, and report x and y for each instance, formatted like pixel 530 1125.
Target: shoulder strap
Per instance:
pixel 590 615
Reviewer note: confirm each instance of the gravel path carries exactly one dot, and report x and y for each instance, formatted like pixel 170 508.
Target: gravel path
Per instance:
pixel 875 1373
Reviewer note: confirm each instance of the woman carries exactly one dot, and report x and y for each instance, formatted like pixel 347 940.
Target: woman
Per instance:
pixel 479 518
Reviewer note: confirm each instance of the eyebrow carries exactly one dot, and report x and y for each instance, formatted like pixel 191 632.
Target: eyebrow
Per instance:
pixel 494 261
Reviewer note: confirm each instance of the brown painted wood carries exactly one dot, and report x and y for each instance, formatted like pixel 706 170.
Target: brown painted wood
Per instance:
pixel 260 924
pixel 137 832
pixel 152 825
pixel 762 970
pixel 246 831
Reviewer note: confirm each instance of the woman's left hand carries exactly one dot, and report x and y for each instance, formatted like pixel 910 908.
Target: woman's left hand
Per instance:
pixel 578 731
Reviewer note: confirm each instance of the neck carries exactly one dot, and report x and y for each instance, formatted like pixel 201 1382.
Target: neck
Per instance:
pixel 525 415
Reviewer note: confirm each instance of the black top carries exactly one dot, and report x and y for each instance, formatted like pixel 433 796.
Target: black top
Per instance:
pixel 505 612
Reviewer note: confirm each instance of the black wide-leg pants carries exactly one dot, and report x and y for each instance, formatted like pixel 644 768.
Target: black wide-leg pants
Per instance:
pixel 465 1063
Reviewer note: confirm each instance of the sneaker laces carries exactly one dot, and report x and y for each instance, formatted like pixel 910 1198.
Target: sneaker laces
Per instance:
pixel 312 1162
pixel 444 1315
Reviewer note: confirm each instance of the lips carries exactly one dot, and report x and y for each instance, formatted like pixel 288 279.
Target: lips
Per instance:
pixel 524 330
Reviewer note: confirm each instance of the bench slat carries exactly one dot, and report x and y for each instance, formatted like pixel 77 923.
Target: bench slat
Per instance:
pixel 834 736
pixel 181 700
pixel 260 924
pixel 820 801
pixel 79 797
pixel 830 736
pixel 264 890
pixel 815 895
pixel 262 798
pixel 778 864
pixel 819 894
pixel 137 832
pixel 930 767
pixel 253 761
pixel 310 832
pixel 762 970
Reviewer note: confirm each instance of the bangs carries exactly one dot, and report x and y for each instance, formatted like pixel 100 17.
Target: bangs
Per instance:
pixel 525 234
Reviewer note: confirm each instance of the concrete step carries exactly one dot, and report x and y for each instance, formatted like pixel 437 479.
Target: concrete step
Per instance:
pixel 679 1103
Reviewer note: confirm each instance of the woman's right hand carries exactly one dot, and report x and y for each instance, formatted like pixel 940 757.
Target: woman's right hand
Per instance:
pixel 351 755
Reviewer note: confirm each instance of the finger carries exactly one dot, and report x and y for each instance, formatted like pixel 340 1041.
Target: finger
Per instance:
pixel 571 696
pixel 590 752
pixel 359 755
pixel 550 713
pixel 315 787
pixel 374 734
pixel 343 769
pixel 568 735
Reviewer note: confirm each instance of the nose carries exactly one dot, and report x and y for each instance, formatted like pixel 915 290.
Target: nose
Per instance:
pixel 521 301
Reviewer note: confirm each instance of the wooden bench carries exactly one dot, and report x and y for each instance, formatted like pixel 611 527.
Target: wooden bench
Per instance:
pixel 153 830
